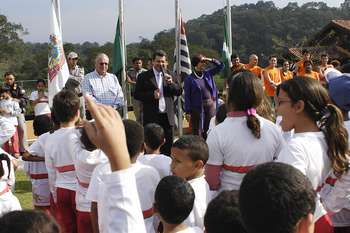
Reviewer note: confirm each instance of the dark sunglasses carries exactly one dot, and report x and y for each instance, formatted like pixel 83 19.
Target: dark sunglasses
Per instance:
pixel 73 58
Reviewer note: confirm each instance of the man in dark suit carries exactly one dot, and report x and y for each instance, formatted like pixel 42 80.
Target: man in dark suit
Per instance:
pixel 156 89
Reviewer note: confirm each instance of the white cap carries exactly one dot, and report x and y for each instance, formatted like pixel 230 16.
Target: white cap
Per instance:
pixel 331 73
pixel 72 55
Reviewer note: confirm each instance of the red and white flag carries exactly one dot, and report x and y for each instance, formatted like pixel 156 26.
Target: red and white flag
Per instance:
pixel 58 72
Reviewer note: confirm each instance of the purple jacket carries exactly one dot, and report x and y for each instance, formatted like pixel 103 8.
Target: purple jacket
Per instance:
pixel 193 93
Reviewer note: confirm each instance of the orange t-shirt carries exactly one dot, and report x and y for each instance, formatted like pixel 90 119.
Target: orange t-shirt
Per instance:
pixel 300 67
pixel 275 77
pixel 313 75
pixel 286 75
pixel 256 70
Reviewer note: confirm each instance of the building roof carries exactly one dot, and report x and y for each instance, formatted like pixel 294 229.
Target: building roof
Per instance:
pixel 333 52
pixel 341 25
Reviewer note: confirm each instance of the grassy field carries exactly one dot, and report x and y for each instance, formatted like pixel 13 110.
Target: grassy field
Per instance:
pixel 23 190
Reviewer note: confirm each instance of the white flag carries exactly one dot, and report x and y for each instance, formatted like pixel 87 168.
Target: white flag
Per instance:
pixel 181 48
pixel 58 72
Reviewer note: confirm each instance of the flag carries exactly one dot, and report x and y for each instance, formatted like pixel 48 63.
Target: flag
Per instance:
pixel 58 72
pixel 226 56
pixel 118 58
pixel 181 48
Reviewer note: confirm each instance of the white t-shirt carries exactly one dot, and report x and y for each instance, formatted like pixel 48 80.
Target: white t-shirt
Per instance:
pixel 84 162
pixel 191 230
pixel 147 179
pixel 7 130
pixel 308 153
pixel 232 144
pixel 160 162
pixel 203 197
pixel 8 201
pixel 13 108
pixel 59 159
pixel 122 203
pixel 40 187
pixel 42 107
pixel 335 195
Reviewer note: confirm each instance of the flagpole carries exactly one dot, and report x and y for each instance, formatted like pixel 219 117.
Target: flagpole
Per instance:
pixel 178 60
pixel 229 33
pixel 123 73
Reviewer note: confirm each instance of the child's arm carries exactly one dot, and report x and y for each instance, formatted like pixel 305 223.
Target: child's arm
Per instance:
pixel 94 217
pixel 32 158
pixel 122 202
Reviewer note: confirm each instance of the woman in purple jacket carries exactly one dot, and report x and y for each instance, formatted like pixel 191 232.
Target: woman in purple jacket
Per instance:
pixel 201 93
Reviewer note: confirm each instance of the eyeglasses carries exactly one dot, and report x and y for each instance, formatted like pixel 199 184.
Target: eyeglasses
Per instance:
pixel 103 63
pixel 280 102
pixel 73 58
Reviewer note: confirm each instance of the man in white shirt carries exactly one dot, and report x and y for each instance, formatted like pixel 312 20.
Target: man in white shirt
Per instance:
pixel 102 86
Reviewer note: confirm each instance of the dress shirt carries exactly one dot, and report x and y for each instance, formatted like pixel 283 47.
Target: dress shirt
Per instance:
pixel 103 89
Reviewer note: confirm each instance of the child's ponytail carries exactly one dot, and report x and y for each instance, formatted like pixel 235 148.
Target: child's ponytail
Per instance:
pixel 7 159
pixel 332 125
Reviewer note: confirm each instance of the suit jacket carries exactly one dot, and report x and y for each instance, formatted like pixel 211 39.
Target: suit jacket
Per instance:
pixel 146 84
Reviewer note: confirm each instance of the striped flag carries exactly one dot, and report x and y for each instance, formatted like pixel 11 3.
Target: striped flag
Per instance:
pixel 58 72
pixel 226 56
pixel 181 49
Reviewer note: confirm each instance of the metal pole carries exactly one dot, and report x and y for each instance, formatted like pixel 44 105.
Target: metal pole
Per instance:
pixel 178 60
pixel 123 78
pixel 229 33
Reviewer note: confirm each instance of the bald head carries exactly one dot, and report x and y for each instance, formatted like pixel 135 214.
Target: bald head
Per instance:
pixel 253 60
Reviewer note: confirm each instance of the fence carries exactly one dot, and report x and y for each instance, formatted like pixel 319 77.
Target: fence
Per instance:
pixel 30 85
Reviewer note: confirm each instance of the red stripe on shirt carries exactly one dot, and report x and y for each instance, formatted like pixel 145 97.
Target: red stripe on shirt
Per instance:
pixel 66 168
pixel 238 169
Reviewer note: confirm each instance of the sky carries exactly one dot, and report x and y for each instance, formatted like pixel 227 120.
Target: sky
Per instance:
pixel 95 20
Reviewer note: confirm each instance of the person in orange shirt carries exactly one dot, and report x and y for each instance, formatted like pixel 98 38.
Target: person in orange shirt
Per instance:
pixel 286 74
pixel 272 77
pixel 309 72
pixel 253 67
pixel 299 68
pixel 237 66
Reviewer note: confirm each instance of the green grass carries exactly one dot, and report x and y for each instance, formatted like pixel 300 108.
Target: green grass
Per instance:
pixel 23 190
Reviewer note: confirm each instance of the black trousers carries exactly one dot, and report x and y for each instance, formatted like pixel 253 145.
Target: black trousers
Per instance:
pixel 162 120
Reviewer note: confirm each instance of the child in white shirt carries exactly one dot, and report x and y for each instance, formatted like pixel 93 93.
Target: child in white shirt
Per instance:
pixel 319 143
pixel 147 179
pixel 189 155
pixel 39 99
pixel 174 199
pixel 9 108
pixel 244 139
pixel 86 158
pixel 335 193
pixel 154 139
pixel 59 159
pixel 35 163
pixel 8 201
pixel 7 130
pixel 121 196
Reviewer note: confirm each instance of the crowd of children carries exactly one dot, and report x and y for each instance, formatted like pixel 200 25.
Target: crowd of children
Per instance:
pixel 108 175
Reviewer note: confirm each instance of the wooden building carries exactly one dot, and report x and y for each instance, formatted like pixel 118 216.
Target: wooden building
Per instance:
pixel 333 39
